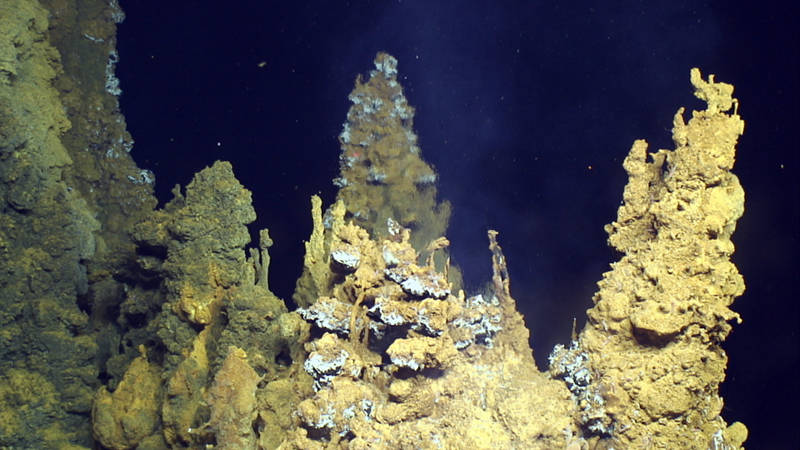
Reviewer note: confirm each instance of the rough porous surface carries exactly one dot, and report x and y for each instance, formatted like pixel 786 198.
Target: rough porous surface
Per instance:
pixel 382 173
pixel 47 353
pixel 414 368
pixel 127 327
pixel 653 337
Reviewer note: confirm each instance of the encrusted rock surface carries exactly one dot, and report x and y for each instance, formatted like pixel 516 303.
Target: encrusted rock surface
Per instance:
pixel 422 368
pixel 654 335
pixel 386 350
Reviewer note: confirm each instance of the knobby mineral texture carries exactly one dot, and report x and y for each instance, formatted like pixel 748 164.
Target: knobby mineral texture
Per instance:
pixel 405 363
pixel 222 339
pixel 184 346
pixel 68 191
pixel 47 236
pixel 382 174
pixel 653 337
